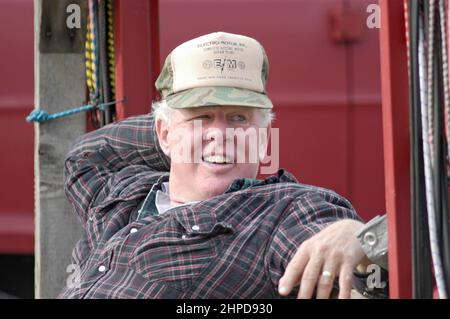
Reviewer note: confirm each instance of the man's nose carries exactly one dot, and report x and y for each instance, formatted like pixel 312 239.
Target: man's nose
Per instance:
pixel 216 130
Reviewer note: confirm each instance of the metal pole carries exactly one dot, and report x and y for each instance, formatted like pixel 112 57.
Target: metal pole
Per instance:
pixel 396 138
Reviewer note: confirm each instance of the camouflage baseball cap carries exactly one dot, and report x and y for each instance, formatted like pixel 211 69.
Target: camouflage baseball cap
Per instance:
pixel 215 69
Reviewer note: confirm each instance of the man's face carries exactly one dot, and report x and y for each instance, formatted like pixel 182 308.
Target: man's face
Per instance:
pixel 209 147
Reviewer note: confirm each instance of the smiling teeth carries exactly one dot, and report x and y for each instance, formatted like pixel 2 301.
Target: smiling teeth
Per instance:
pixel 219 159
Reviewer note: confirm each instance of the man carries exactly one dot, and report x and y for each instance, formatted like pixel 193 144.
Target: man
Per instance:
pixel 170 211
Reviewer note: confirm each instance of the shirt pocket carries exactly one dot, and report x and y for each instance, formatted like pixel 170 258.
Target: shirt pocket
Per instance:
pixel 177 253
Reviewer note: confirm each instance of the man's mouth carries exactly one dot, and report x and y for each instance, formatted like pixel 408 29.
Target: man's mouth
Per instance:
pixel 217 159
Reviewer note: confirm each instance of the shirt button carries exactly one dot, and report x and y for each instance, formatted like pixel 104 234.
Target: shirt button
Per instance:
pixel 195 228
pixel 133 230
pixel 370 238
pixel 102 268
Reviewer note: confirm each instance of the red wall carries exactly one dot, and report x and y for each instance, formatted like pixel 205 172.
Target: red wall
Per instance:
pixel 16 135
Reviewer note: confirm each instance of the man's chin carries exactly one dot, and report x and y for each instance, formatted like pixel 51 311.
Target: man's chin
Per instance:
pixel 212 189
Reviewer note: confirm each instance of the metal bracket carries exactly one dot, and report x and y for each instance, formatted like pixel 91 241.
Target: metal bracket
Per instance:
pixel 63 26
pixel 346 25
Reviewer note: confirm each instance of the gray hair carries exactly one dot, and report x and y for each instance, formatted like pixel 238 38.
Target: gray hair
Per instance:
pixel 162 111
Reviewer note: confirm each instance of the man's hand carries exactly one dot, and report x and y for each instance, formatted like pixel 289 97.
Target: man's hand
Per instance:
pixel 335 251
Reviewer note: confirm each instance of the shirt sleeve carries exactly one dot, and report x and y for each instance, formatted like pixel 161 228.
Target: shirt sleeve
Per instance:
pixel 102 160
pixel 308 215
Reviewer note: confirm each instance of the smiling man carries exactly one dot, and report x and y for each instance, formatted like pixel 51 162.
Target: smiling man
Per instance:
pixel 211 147
pixel 170 200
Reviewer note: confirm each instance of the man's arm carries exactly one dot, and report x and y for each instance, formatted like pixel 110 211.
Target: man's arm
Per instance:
pixel 101 160
pixel 317 235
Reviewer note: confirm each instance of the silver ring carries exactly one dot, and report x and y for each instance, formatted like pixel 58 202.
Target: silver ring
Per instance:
pixel 326 274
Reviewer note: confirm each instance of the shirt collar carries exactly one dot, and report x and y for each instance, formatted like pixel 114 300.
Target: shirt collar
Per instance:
pixel 243 183
pixel 158 199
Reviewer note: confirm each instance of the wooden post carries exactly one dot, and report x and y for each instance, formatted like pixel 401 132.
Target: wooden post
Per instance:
pixel 59 84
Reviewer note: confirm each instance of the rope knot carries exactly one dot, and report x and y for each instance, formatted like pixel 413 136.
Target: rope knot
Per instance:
pixel 38 115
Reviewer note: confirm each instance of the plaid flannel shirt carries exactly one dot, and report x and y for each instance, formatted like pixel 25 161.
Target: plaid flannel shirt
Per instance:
pixel 235 245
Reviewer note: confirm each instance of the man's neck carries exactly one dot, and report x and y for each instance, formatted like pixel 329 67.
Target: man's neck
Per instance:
pixel 180 192
pixel 175 203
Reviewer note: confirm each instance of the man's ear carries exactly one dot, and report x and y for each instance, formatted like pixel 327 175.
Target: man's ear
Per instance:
pixel 162 130
pixel 264 139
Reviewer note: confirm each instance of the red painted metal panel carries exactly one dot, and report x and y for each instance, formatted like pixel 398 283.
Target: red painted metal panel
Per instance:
pixel 394 75
pixel 365 160
pixel 137 55
pixel 16 101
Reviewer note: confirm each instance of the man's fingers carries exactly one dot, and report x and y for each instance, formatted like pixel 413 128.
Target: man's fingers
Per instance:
pixel 310 277
pixel 294 271
pixel 345 281
pixel 326 280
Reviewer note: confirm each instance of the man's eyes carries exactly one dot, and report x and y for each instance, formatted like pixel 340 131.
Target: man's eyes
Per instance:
pixel 239 118
pixel 202 117
pixel 233 118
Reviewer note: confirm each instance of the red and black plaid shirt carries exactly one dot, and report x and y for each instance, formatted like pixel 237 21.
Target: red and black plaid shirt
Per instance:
pixel 235 245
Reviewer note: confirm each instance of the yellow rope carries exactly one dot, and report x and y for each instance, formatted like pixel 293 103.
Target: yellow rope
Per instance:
pixel 90 54
pixel 90 66
pixel 110 47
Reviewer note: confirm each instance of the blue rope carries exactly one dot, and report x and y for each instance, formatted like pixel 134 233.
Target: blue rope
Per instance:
pixel 40 116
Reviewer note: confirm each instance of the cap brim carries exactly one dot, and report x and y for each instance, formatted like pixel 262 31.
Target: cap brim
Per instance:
pixel 218 95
